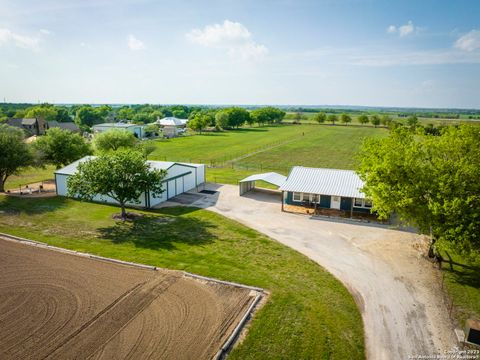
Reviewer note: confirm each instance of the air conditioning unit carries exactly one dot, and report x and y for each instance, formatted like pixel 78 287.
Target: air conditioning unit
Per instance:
pixel 472 331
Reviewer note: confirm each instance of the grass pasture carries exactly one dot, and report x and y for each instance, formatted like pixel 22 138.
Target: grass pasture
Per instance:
pixel 309 315
pixel 271 148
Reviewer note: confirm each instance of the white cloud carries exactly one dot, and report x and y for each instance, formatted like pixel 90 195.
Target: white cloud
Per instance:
pixel 45 32
pixel 469 41
pixel 135 44
pixel 22 41
pixel 392 29
pixel 231 36
pixel 403 30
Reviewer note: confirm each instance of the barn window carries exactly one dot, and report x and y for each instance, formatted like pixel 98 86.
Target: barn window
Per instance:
pixel 368 203
pixel 358 202
pixel 315 198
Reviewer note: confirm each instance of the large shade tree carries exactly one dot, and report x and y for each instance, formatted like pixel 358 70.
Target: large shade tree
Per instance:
pixel 14 153
pixel 114 139
pixel 61 147
pixel 123 176
pixel 432 182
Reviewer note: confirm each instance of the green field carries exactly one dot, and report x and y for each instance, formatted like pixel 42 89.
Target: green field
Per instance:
pixel 321 146
pixel 273 148
pixel 218 147
pixel 309 314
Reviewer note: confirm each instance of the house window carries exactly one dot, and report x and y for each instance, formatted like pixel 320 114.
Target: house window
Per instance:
pixel 297 196
pixel 362 203
pixel 315 198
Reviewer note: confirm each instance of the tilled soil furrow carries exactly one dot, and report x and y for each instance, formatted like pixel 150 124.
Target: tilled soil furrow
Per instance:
pixel 89 338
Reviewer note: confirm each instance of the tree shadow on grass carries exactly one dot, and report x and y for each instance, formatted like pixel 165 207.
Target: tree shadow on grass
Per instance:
pixel 32 206
pixel 464 274
pixel 160 232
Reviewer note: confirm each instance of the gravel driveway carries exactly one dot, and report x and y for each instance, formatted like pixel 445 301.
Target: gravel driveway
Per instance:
pixel 396 290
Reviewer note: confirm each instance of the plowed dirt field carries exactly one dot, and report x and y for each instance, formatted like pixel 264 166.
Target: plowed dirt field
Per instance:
pixel 55 305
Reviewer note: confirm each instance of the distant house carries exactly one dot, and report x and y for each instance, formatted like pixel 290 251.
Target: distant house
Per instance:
pixel 32 126
pixel 172 126
pixel 137 130
pixel 71 126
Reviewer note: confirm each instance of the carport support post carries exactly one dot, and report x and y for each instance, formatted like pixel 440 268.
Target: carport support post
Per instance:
pixel 283 197
pixel 351 209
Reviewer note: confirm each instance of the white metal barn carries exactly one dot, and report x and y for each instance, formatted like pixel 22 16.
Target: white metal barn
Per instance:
pixel 181 177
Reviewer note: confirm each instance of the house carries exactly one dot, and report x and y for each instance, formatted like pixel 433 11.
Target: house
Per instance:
pixel 316 188
pixel 181 177
pixel 70 126
pixel 137 130
pixel 172 126
pixel 32 126
pixel 325 188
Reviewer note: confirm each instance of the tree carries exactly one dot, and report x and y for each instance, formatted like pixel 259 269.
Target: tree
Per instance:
pixel 332 118
pixel 199 122
pixel 14 153
pixel 113 140
pixel 45 111
pixel 320 117
pixel 298 117
pixel 123 175
pixel 86 116
pixel 63 115
pixel 412 121
pixel 180 114
pixel 345 118
pixel 375 120
pixel 237 116
pixel 363 119
pixel 432 182
pixel 125 113
pixel 386 120
pixel 61 147
pixel 221 119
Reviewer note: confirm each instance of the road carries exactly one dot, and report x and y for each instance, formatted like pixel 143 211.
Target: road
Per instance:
pixel 396 289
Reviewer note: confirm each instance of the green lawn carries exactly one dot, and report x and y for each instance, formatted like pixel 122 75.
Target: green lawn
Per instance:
pixel 309 314
pixel 462 282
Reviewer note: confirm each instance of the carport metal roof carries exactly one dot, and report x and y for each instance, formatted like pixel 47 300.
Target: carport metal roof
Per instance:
pixel 270 177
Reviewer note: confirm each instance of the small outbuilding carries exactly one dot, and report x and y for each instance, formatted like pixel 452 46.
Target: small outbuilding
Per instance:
pixel 325 188
pixel 172 126
pixel 181 177
pixel 137 130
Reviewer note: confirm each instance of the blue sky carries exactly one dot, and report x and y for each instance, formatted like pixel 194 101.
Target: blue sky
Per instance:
pixel 357 52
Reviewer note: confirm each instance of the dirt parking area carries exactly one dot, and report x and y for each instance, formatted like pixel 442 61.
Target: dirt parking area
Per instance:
pixel 397 290
pixel 56 305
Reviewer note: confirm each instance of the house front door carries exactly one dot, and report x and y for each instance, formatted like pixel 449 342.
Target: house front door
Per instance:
pixel 335 204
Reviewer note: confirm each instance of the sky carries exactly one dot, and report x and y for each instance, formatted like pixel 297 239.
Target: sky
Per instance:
pixel 325 52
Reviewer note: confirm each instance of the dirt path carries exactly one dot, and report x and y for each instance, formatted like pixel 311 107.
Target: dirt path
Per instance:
pixel 55 305
pixel 396 289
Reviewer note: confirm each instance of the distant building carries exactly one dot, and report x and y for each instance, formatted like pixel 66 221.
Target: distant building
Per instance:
pixel 70 126
pixel 172 126
pixel 32 126
pixel 137 130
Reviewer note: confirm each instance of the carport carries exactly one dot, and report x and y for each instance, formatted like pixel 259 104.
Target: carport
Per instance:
pixel 248 183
